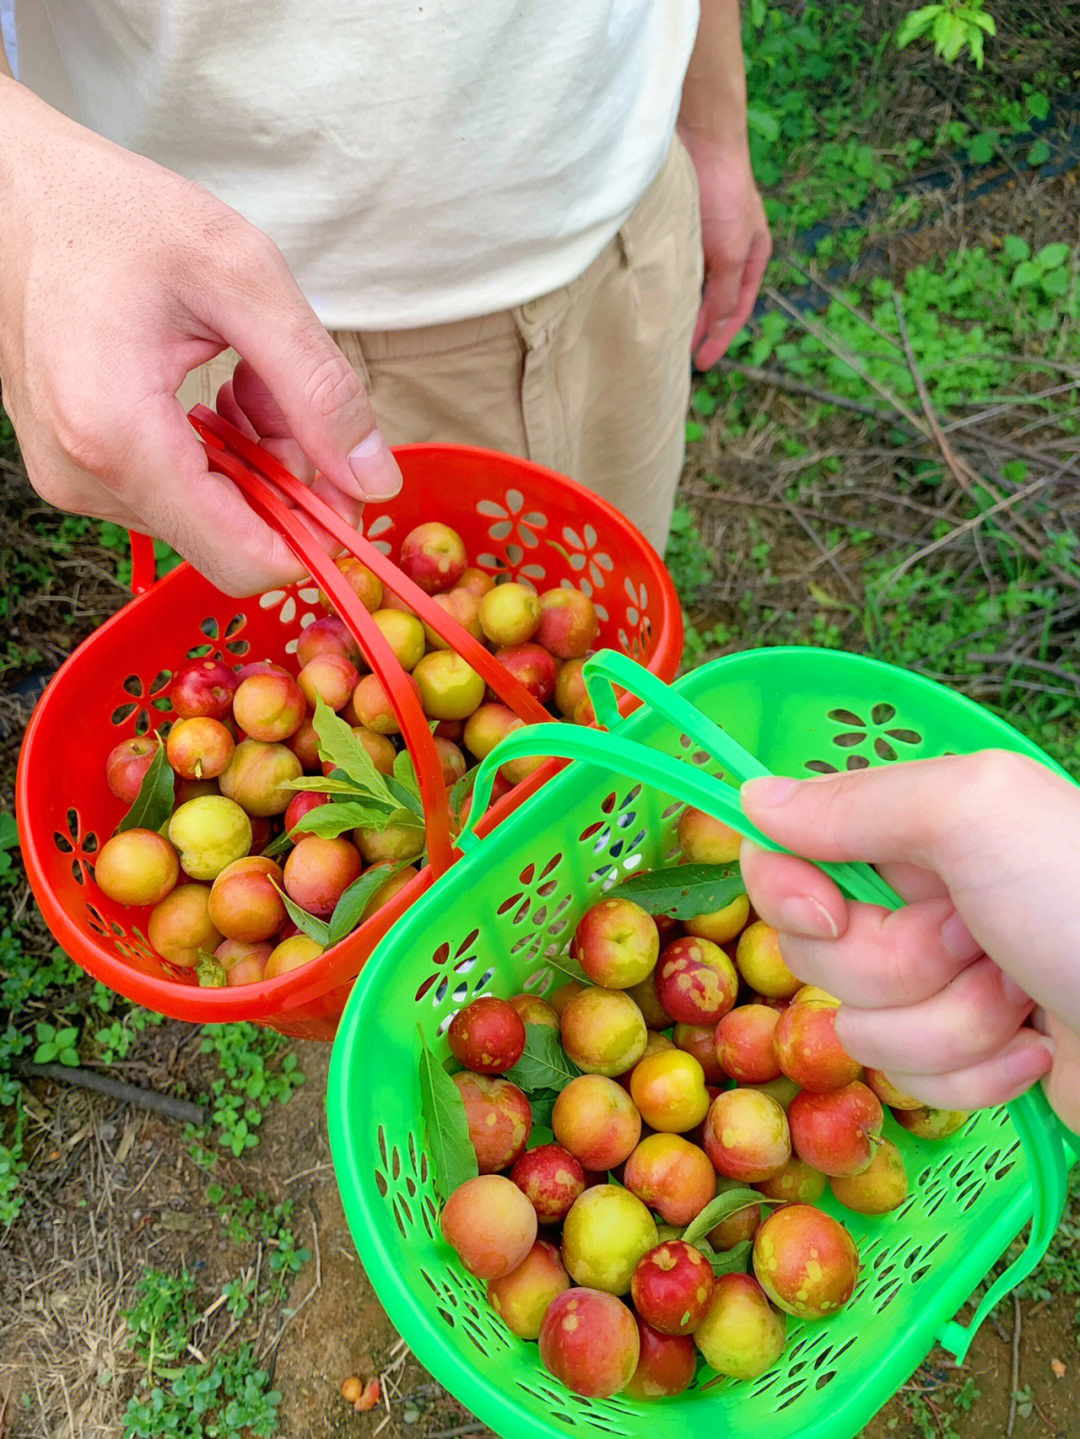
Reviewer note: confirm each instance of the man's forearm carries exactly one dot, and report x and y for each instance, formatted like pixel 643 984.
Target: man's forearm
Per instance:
pixel 714 92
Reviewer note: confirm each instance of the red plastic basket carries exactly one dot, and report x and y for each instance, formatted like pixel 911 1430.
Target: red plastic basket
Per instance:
pixel 516 518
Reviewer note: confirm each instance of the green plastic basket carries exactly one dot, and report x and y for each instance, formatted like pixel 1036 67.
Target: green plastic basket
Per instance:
pixel 514 899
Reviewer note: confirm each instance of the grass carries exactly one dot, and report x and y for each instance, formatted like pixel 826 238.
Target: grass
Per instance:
pixel 182 1392
pixel 244 1085
pixel 824 139
pixel 984 346
pixel 933 1412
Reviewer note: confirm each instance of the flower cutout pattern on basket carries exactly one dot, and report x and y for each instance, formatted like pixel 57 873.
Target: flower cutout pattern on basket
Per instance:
pixel 80 845
pixel 403 1178
pixel 297 607
pixel 894 1262
pixel 515 534
pixel 874 736
pixel 498 918
pixel 594 567
pixel 134 946
pixel 132 943
pixel 635 635
pixel 542 906
pixel 221 638
pixel 144 702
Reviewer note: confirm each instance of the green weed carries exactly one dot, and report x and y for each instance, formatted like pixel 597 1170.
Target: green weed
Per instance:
pixel 26 982
pixel 687 557
pixel 9 843
pixel 811 113
pixel 245 1086
pixel 25 976
pixel 932 1413
pixel 56 1043
pixel 230 1398
pixel 251 1219
pixel 968 318
pixel 73 529
pixel 12 1167
pixel 161 1320
pixel 954 26
pixel 227 1394
pixel 114 1040
pixel 920 620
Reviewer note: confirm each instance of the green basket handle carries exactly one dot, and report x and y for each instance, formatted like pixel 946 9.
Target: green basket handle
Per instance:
pixel 1036 1124
pixel 607 669
pixel 1047 1174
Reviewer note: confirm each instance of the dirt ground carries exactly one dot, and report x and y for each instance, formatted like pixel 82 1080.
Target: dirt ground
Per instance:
pixel 342 1330
pixel 125 1195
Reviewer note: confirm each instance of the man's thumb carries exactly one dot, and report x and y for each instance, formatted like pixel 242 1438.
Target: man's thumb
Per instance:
pixel 318 391
pixel 330 416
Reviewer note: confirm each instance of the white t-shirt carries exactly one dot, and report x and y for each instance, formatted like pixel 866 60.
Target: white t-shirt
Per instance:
pixel 417 161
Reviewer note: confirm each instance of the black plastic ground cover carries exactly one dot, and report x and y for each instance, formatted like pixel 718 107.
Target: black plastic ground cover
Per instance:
pixel 1060 131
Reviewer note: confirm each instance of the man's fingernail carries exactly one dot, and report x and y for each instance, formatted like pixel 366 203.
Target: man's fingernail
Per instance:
pixel 801 915
pixel 375 468
pixel 775 790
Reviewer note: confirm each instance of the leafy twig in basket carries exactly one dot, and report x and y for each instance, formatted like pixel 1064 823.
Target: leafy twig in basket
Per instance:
pixel 391 800
pixel 448 1145
pixel 153 804
pixel 684 891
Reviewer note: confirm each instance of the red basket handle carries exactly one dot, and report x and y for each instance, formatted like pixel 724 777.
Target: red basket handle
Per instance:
pixel 376 649
pixel 227 449
pixel 143 562
pixel 216 432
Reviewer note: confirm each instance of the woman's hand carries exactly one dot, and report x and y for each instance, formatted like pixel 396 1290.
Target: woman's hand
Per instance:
pixel 971 992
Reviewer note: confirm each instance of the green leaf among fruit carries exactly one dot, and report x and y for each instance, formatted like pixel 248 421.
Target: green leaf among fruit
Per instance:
pixel 448 1145
pixel 544 1065
pixel 721 1208
pixel 352 906
pixel 735 1260
pixel 154 803
pixel 309 924
pixel 685 890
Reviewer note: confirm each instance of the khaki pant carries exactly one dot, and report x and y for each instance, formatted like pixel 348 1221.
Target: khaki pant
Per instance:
pixel 592 380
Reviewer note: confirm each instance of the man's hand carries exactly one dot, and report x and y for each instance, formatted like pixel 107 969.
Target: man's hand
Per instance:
pixel 734 231
pixel 736 241
pixel 120 277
